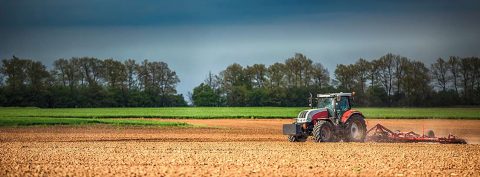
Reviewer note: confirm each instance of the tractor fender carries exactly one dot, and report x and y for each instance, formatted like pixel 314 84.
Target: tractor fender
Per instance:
pixel 349 113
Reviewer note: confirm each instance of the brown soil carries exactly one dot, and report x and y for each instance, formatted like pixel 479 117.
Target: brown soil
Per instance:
pixel 234 147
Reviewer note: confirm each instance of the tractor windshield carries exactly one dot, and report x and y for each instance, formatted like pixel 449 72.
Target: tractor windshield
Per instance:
pixel 326 103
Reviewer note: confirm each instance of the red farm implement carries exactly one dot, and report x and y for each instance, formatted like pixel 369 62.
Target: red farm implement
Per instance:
pixel 379 133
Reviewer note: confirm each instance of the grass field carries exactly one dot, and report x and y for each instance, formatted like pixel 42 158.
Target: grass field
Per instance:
pixel 230 112
pixel 29 121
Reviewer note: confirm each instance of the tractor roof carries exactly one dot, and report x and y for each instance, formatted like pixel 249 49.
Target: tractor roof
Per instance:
pixel 328 95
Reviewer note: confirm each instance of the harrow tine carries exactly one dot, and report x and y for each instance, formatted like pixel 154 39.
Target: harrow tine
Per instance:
pixel 383 134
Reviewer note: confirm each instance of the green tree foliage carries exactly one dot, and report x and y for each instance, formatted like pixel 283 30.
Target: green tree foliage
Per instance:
pixel 88 82
pixel 157 81
pixel 204 95
pixel 398 81
pixel 26 82
pixel 390 80
pixel 416 85
pixel 353 78
pixel 393 79
pixel 280 84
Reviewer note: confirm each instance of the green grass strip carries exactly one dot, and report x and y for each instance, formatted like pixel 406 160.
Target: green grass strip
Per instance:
pixel 233 112
pixel 31 121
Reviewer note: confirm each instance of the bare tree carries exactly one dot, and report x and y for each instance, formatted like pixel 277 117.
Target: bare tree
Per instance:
pixel 374 72
pixel 37 75
pixel 386 72
pixel 454 68
pixel 60 66
pixel 362 68
pixel 257 74
pixel 344 73
pixel 91 69
pixel 475 62
pixel 115 73
pixel 276 75
pixel 130 67
pixel 466 73
pixel 320 75
pixel 298 69
pixel 401 64
pixel 440 73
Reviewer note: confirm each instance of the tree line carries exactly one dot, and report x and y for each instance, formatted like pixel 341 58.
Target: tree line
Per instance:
pixel 280 84
pixel 391 80
pixel 88 82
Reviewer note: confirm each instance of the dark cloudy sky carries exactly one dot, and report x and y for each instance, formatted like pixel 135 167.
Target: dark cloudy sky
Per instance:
pixel 198 36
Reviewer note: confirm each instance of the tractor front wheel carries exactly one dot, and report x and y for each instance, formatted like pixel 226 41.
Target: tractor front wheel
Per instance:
pixel 356 129
pixel 323 131
pixel 299 138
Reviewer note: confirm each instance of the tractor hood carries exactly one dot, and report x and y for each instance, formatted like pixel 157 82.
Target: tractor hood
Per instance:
pixel 310 114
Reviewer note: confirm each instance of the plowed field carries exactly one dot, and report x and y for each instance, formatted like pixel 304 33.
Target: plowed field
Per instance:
pixel 230 147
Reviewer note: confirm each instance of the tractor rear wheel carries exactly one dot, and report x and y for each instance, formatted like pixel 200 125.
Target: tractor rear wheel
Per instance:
pixel 299 138
pixel 356 129
pixel 323 131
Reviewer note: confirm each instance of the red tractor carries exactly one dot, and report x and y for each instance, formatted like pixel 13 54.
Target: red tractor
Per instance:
pixel 332 120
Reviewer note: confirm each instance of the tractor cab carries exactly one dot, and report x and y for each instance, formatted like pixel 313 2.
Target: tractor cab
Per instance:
pixel 336 104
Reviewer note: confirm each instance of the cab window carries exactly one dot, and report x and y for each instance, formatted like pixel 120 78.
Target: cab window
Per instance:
pixel 344 104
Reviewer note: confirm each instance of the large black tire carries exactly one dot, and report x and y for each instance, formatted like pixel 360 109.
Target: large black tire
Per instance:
pixel 300 138
pixel 323 131
pixel 355 129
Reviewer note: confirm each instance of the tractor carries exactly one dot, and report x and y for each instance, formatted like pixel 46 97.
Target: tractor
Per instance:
pixel 332 120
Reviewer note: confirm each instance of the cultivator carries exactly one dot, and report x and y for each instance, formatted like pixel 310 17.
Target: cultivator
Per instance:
pixel 379 133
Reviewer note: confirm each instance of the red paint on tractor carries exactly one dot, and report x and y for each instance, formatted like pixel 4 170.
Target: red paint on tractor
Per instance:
pixel 320 115
pixel 349 113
